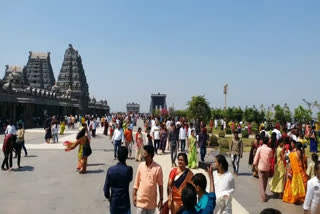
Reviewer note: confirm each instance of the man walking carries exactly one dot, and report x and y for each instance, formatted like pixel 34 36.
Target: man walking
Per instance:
pixel 118 179
pixel 173 138
pixel 263 165
pixel 182 137
pixel 236 150
pixel 203 139
pixel 128 136
pixel 117 139
pixel 93 127
pixel 149 174
pixel 155 133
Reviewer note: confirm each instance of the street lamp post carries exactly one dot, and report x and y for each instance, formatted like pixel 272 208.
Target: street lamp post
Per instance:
pixel 225 91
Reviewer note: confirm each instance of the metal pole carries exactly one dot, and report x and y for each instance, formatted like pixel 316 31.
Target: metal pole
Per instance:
pixel 225 91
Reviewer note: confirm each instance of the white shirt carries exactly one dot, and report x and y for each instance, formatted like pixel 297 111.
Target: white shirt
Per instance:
pixel 168 124
pixel 215 123
pixel 94 124
pixel 153 123
pixel 117 135
pixel 54 129
pixel 189 131
pixel 293 136
pixel 277 132
pixel 223 184
pixel 266 133
pixel 312 200
pixel 11 129
pixel 182 133
pixel 155 130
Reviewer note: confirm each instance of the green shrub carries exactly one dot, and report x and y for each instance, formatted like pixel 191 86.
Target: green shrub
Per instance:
pixel 222 134
pixel 228 131
pixel 213 141
pixel 245 133
pixel 224 143
pixel 254 128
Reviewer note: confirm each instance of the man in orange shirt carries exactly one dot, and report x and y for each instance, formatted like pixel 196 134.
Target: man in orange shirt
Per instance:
pixel 129 139
pixel 149 174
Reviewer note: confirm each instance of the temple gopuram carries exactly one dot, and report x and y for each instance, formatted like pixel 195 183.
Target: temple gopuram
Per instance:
pixel 30 92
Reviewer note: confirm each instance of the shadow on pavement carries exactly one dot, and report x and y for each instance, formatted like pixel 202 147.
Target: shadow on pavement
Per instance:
pixel 244 174
pixel 95 171
pixel 24 169
pixel 31 156
pixel 95 164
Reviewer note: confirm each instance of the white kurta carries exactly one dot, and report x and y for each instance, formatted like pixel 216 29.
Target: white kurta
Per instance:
pixel 224 186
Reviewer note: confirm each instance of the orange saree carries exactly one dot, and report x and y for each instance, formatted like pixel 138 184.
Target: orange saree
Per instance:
pixel 180 181
pixel 82 160
pixel 295 191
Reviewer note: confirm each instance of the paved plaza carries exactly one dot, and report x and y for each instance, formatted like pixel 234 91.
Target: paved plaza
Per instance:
pixel 48 182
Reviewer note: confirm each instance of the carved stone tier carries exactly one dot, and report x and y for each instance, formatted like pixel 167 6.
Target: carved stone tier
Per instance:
pixel 39 70
pixel 72 80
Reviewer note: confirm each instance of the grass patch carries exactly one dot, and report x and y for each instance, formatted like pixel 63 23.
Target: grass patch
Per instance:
pixel 224 144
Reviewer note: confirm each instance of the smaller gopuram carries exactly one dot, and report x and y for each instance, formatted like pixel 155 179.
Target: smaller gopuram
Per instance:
pixel 15 78
pixel 133 108
pixel 39 70
pixel 158 102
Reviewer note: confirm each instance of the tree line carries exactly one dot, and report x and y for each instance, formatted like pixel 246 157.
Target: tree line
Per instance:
pixel 198 109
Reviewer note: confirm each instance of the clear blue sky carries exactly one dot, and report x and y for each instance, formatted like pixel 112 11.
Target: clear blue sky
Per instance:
pixel 267 50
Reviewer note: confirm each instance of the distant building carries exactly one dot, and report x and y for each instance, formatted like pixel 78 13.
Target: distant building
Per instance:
pixel 133 108
pixel 158 102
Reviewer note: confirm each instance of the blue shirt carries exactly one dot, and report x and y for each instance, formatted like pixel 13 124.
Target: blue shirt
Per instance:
pixel 118 179
pixel 207 203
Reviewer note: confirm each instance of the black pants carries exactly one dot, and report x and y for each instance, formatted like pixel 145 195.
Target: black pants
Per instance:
pixel 156 145
pixel 24 148
pixel 7 160
pixel 93 132
pixel 203 151
pixel 18 154
pixel 173 152
pixel 183 145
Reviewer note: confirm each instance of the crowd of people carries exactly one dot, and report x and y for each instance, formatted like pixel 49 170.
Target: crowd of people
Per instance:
pixel 277 153
pixel 280 155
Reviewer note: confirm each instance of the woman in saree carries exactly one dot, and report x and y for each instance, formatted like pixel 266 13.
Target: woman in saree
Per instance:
pixel 81 140
pixel 62 127
pixel 277 181
pixel 192 148
pixel 178 178
pixel 295 189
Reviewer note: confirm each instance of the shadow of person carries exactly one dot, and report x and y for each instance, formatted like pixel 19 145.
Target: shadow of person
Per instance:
pixel 24 169
pixel 94 171
pixel 31 156
pixel 95 164
pixel 244 174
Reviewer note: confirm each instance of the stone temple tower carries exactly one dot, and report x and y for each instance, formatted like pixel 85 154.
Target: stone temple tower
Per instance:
pixel 39 70
pixel 72 79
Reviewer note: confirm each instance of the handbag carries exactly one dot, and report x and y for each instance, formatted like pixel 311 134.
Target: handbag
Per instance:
pixel 87 151
pixel 165 208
